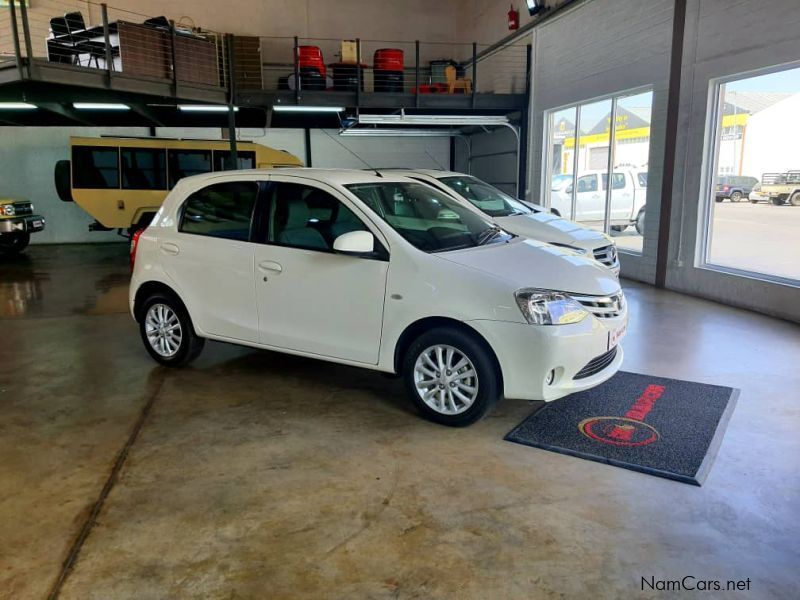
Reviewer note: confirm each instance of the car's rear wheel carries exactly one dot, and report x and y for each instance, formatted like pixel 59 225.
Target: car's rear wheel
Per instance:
pixel 753 201
pixel 778 200
pixel 167 331
pixel 640 222
pixel 719 198
pixel 795 199
pixel 451 377
pixel 736 196
pixel 618 228
pixel 14 243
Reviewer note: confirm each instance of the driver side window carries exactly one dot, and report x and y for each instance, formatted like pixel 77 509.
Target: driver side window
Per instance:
pixel 587 183
pixel 302 216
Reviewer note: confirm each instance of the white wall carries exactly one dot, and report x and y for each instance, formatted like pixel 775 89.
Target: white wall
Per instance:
pixel 327 151
pixel 771 139
pixel 710 52
pixel 595 49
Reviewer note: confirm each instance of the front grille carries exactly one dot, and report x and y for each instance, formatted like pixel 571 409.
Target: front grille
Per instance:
pixel 603 307
pixel 597 364
pixel 606 255
pixel 22 208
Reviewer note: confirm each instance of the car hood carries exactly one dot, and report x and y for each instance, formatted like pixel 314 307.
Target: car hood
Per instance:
pixel 527 263
pixel 547 227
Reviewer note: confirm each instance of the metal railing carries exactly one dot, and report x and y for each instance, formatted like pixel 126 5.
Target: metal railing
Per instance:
pixel 83 34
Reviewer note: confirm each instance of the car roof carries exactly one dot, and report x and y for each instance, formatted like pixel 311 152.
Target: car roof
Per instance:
pixel 332 176
pixel 435 173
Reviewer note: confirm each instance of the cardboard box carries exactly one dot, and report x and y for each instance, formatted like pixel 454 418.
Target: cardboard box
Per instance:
pixel 349 51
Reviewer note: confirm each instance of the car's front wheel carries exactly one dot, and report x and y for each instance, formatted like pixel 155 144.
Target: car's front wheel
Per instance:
pixel 14 243
pixel 795 199
pixel 167 331
pixel 451 377
pixel 640 222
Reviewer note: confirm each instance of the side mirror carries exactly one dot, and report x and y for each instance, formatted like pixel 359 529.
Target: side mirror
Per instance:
pixel 355 242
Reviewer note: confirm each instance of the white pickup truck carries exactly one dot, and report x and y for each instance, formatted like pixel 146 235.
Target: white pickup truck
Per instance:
pixel 628 195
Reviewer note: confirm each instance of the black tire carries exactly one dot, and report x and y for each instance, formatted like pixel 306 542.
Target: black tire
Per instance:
pixel 778 200
pixel 14 243
pixel 753 201
pixel 555 212
pixel 640 222
pixel 485 366
pixel 619 228
pixel 736 196
pixel 719 198
pixel 190 344
pixel 795 199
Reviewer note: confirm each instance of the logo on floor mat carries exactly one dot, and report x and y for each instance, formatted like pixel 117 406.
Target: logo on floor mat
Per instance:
pixel 629 430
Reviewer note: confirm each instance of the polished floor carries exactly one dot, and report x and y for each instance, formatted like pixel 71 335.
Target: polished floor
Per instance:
pixel 257 475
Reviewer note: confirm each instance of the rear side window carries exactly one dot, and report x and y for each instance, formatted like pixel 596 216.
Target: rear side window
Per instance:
pixel 143 169
pixel 244 160
pixel 223 210
pixel 185 163
pixel 617 181
pixel 95 167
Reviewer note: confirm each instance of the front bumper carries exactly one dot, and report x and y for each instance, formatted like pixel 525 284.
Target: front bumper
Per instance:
pixel 528 353
pixel 26 224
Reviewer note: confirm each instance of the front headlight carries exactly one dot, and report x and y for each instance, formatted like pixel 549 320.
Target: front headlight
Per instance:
pixel 8 210
pixel 546 307
pixel 568 247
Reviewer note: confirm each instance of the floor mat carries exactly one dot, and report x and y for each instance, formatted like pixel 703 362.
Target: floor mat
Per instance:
pixel 665 427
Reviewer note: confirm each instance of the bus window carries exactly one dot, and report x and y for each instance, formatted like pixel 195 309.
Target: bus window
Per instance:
pixel 95 167
pixel 184 163
pixel 245 160
pixel 143 169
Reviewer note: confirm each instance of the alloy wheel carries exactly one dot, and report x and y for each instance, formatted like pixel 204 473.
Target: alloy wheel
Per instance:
pixel 163 330
pixel 445 379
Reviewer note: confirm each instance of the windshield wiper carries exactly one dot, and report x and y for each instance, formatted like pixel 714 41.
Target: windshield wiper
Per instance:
pixel 487 235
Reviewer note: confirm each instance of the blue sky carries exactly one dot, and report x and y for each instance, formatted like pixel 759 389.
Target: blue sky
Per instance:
pixel 784 81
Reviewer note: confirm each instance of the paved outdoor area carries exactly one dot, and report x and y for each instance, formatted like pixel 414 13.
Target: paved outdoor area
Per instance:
pixel 752 237
pixel 257 475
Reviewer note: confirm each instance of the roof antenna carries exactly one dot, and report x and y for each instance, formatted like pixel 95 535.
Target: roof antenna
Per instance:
pixel 369 166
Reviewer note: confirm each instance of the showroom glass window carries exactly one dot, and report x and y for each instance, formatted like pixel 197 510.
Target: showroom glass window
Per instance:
pixel 303 216
pixel 585 143
pixel 185 163
pixel 143 169
pixel 223 210
pixel 95 167
pixel 752 198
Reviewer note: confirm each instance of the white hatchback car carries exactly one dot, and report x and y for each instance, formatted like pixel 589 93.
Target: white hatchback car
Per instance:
pixel 381 272
pixel 520 218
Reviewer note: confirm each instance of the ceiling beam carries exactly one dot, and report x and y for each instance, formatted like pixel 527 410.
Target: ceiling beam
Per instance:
pixel 64 111
pixel 145 111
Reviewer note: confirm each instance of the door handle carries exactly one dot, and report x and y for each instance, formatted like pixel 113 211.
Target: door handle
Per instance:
pixel 269 265
pixel 170 248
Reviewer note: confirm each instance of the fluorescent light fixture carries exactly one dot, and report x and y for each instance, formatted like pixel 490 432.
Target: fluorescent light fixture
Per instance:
pixel 370 132
pixel 306 109
pixel 100 106
pixel 17 106
pixel 205 108
pixel 457 120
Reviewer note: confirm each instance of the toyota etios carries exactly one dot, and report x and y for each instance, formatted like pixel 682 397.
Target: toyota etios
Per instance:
pixel 376 271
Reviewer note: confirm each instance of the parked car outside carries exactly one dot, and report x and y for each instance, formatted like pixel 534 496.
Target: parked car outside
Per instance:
pixel 518 217
pixel 17 223
pixel 628 197
pixel 757 195
pixel 734 187
pixel 781 188
pixel 380 272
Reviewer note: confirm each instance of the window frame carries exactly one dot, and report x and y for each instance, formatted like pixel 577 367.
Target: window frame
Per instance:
pixel 709 175
pixel 240 154
pixel 252 233
pixel 143 149
pixel 91 149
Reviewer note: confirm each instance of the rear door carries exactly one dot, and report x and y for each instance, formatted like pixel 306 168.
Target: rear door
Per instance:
pixel 210 258
pixel 590 201
pixel 622 195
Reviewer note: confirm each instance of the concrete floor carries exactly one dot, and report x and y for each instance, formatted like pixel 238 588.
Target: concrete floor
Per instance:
pixel 257 475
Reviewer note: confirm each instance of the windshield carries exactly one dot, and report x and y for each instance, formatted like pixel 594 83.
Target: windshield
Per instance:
pixel 485 197
pixel 559 181
pixel 427 218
